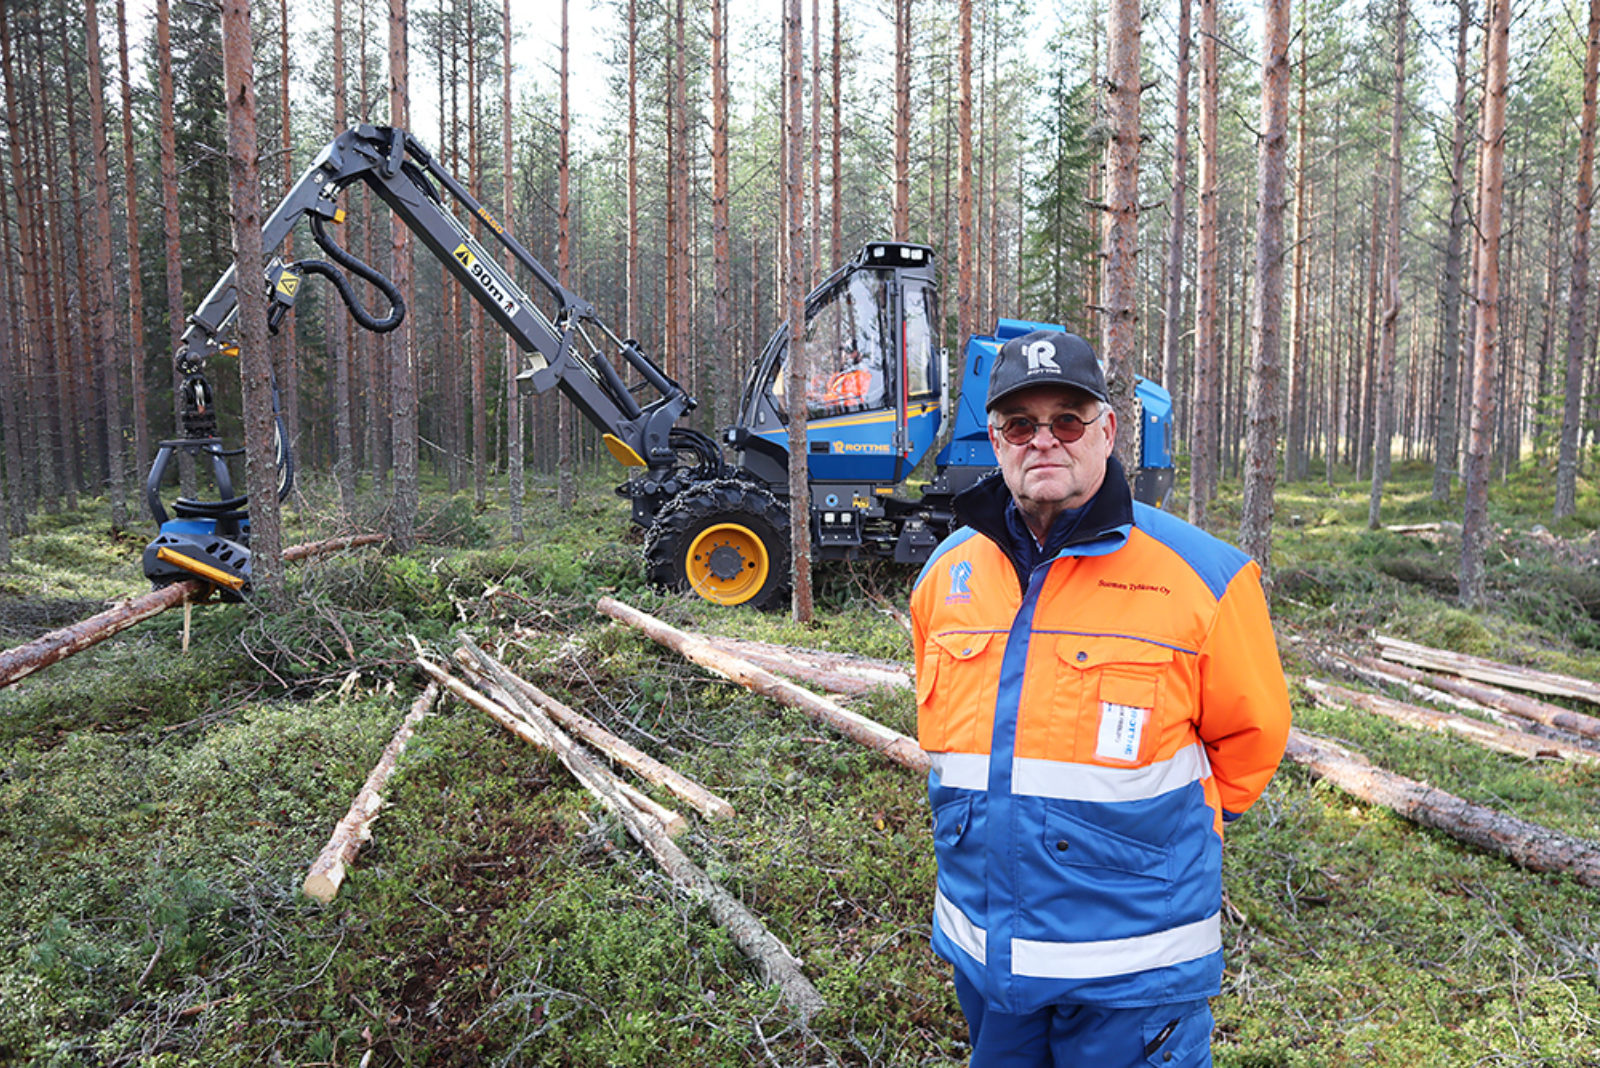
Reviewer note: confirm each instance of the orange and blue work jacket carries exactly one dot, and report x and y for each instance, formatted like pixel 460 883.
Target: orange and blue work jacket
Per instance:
pixel 1092 722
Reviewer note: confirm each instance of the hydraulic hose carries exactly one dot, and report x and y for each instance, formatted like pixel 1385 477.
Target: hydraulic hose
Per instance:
pixel 397 304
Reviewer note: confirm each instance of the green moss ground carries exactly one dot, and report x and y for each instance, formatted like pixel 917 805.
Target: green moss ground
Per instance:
pixel 158 810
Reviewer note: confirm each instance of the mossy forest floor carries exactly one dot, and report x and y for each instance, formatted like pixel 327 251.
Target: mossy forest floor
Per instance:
pixel 159 808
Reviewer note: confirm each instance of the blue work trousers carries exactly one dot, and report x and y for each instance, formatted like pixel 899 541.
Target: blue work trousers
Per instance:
pixel 1070 1036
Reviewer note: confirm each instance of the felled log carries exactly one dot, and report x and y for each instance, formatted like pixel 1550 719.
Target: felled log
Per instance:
pixel 1488 735
pixel 1529 708
pixel 836 672
pixel 1490 671
pixel 1527 844
pixel 892 744
pixel 328 870
pixel 771 957
pixel 1413 528
pixel 23 660
pixel 629 756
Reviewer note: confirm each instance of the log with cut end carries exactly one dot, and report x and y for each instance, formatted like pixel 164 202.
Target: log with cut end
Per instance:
pixel 1527 844
pixel 328 871
pixel 892 744
pixel 1488 735
pixel 1529 708
pixel 41 652
pixel 639 762
pixel 23 660
pixel 771 957
pixel 1530 680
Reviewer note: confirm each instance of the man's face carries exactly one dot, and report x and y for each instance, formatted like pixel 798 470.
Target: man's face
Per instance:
pixel 1046 475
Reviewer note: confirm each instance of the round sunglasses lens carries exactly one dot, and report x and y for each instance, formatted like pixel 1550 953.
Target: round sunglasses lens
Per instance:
pixel 1067 428
pixel 1019 431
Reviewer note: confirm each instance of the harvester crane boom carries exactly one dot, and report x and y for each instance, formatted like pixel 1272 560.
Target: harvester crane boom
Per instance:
pixel 566 348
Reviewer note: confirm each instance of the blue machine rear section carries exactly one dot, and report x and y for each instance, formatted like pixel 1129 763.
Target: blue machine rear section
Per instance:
pixel 969 445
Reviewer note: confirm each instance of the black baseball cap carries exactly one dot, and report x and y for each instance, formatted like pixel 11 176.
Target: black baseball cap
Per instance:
pixel 1046 358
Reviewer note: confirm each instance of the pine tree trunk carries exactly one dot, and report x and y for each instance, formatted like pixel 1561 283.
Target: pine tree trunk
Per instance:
pixel 1120 246
pixel 964 238
pixel 1445 423
pixel 1294 451
pixel 566 491
pixel 340 333
pixel 401 350
pixel 33 314
pixel 795 304
pixel 104 295
pixel 1261 463
pixel 1383 408
pixel 722 345
pixel 515 405
pixel 836 256
pixel 130 175
pixel 902 120
pixel 1566 497
pixel 1172 320
pixel 1475 519
pixel 255 368
pixel 1203 450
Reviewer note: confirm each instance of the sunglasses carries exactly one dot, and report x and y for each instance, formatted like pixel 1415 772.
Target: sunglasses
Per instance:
pixel 1066 427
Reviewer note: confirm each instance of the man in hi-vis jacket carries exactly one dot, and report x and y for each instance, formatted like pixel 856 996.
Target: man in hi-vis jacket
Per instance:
pixel 1100 694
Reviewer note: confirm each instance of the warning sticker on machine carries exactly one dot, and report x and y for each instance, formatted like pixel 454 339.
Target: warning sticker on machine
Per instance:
pixel 481 275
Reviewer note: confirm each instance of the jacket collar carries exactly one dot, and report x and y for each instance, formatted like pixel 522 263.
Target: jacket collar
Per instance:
pixel 1100 527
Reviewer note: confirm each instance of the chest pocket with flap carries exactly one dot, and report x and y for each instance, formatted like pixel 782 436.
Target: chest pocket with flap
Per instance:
pixel 1109 698
pixel 957 681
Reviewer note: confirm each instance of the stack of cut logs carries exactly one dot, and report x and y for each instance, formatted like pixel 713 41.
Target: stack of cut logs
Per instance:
pixel 1499 719
pixel 534 716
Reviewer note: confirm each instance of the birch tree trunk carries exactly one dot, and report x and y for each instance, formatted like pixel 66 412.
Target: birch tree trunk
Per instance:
pixel 1486 301
pixel 1261 461
pixel 1566 501
pixel 255 367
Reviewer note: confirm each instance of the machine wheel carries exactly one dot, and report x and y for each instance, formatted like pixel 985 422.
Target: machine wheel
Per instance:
pixel 726 541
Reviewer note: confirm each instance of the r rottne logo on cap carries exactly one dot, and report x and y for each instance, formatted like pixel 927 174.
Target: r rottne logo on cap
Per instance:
pixel 1041 357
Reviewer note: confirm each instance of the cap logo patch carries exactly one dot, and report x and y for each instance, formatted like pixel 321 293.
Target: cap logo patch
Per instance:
pixel 1041 357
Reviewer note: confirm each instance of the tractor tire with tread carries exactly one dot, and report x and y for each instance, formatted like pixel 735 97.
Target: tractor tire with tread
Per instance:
pixel 726 540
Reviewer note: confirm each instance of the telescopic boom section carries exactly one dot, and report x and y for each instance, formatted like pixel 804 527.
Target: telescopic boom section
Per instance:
pixel 564 350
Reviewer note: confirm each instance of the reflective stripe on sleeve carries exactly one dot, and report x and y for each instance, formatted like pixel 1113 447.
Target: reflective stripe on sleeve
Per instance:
pixel 961 771
pixel 967 936
pixel 1116 956
pixel 1090 782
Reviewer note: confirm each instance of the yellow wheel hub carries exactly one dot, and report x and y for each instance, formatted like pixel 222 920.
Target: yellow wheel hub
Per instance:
pixel 727 564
